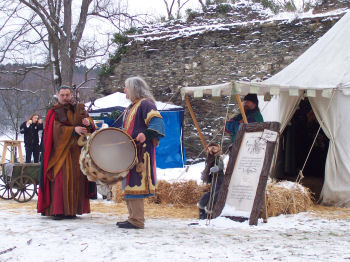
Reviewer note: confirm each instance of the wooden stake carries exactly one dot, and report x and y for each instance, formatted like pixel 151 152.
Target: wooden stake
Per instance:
pixel 241 108
pixel 264 208
pixel 204 144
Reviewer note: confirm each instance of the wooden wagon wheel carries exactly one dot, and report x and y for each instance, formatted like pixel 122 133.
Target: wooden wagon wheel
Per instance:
pixel 5 187
pixel 23 188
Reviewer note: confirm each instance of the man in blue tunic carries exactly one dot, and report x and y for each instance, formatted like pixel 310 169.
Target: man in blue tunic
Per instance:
pixel 142 122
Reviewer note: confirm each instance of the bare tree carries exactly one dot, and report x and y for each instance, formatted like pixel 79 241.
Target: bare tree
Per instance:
pixel 202 4
pixel 169 7
pixel 295 5
pixel 17 102
pixel 54 29
pixel 169 4
pixel 180 5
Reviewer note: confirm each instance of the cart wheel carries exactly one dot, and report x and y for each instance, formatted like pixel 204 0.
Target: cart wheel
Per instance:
pixel 23 188
pixel 5 187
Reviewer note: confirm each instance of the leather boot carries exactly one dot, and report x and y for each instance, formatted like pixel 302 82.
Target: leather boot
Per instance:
pixel 202 214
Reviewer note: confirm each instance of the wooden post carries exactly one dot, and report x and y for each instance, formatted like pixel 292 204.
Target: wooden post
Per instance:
pixel 241 108
pixel 12 149
pixel 12 144
pixel 204 144
pixel 3 153
pixel 20 154
pixel 264 207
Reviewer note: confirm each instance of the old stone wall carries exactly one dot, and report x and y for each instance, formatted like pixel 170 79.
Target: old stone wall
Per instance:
pixel 252 51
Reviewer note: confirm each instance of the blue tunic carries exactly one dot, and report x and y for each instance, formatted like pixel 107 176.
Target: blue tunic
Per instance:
pixel 143 117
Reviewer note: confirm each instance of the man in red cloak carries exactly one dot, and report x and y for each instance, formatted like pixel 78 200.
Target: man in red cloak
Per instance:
pixel 63 190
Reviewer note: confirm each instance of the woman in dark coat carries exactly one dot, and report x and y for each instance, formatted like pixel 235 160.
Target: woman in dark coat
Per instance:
pixel 30 129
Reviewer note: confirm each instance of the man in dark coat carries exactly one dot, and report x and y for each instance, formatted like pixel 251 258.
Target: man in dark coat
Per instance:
pixel 251 109
pixel 30 129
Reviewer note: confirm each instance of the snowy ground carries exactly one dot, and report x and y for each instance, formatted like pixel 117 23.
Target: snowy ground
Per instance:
pixel 26 236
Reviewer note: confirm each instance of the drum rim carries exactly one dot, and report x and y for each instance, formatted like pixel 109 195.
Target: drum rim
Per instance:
pixel 116 129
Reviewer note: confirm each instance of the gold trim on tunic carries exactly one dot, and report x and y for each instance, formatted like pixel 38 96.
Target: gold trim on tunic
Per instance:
pixel 151 114
pixel 131 114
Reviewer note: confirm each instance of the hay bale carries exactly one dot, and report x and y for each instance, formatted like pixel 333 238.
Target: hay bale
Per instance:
pixel 283 197
pixel 117 192
pixel 179 194
pixel 162 193
pixel 287 197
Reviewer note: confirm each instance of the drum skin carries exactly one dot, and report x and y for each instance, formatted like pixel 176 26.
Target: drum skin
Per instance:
pixel 108 155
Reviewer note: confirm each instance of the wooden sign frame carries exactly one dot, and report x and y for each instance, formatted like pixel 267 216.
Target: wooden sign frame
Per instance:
pixel 265 128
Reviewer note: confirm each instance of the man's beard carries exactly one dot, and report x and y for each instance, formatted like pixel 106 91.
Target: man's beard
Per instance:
pixel 66 102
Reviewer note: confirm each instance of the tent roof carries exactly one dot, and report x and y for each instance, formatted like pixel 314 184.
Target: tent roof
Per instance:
pixel 119 99
pixel 321 68
pixel 326 64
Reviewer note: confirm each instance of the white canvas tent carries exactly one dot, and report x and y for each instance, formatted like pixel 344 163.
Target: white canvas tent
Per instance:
pixel 322 74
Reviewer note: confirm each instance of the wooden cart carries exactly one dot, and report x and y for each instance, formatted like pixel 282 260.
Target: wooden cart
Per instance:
pixel 21 185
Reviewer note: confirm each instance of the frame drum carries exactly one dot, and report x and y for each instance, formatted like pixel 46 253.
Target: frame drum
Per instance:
pixel 108 155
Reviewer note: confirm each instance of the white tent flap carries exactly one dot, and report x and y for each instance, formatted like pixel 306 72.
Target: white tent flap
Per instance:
pixel 335 122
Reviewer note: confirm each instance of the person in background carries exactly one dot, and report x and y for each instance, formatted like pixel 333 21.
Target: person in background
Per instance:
pixel 64 189
pixel 30 129
pixel 145 125
pixel 251 109
pixel 212 174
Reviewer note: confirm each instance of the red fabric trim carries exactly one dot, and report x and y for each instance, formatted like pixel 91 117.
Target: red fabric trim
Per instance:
pixel 129 131
pixel 154 166
pixel 57 201
pixel 44 194
pixel 131 127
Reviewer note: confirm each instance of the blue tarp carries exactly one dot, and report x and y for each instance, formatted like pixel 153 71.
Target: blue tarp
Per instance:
pixel 170 153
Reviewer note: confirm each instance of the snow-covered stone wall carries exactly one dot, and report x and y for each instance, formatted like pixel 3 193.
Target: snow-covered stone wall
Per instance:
pixel 199 54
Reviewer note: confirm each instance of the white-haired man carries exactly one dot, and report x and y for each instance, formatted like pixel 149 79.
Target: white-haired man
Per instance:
pixel 142 122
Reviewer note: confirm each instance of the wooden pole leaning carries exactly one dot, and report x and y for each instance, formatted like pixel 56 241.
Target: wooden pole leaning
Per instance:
pixel 187 101
pixel 241 108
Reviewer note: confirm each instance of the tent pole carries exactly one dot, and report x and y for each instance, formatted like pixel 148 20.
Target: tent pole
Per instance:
pixel 238 98
pixel 204 144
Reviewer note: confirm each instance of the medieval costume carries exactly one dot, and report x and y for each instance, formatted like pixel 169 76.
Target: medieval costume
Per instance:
pixel 31 140
pixel 142 117
pixel 253 115
pixel 212 174
pixel 63 190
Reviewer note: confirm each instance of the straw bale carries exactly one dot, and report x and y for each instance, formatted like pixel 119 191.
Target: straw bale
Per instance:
pixel 179 194
pixel 117 192
pixel 330 212
pixel 287 197
pixel 282 197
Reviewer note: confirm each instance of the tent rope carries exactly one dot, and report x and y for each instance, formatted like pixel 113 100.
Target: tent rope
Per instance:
pixel 300 174
pixel 223 131
pixel 212 198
